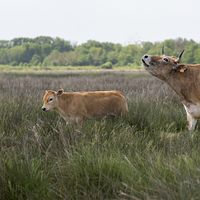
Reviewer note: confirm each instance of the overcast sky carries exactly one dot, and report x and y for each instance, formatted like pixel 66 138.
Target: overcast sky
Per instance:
pixel 116 21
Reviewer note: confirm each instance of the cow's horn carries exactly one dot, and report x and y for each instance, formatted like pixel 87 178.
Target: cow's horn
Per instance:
pixel 163 51
pixel 179 57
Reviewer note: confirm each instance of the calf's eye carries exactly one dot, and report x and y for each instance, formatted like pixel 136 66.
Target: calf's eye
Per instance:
pixel 50 99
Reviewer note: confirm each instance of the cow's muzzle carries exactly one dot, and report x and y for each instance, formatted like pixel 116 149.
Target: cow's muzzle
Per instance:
pixel 145 60
pixel 145 63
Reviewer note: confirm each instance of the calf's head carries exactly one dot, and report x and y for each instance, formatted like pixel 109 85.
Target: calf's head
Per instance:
pixel 51 100
pixel 161 66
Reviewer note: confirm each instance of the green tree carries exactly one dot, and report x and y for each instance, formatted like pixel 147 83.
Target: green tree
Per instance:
pixel 61 45
pixel 83 49
pixel 197 56
pixel 4 56
pixel 93 43
pixel 36 59
pixel 20 41
pixel 108 46
pixel 5 44
pixel 189 54
pixel 83 59
pixel 74 58
pixel 129 54
pixel 170 44
pixel 29 50
pixel 43 40
pixel 146 46
pixel 112 56
pixel 52 58
pixel 97 55
pixel 46 50
pixel 118 48
pixel 16 54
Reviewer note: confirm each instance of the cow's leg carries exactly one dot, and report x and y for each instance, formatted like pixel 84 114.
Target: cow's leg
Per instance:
pixel 191 120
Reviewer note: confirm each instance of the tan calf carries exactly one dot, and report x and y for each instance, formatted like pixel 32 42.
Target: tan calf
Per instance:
pixel 75 107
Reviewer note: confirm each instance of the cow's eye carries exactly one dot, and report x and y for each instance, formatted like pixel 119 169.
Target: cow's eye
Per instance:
pixel 166 59
pixel 51 99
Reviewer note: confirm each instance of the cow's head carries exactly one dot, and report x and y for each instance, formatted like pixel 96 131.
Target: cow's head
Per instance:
pixel 161 66
pixel 51 100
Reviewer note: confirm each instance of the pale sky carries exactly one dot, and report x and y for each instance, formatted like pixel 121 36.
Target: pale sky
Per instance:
pixel 116 21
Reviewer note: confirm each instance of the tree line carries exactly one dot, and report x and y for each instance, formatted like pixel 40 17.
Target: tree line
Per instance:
pixel 48 51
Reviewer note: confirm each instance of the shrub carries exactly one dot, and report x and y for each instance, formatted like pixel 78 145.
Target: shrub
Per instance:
pixel 14 63
pixel 21 64
pixel 107 65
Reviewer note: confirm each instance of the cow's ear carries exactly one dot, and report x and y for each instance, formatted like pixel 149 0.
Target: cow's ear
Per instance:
pixel 59 92
pixel 180 68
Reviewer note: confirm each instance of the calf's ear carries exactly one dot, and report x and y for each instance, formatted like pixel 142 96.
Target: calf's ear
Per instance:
pixel 59 92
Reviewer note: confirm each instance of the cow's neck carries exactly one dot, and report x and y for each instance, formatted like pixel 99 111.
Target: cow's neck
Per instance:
pixel 185 86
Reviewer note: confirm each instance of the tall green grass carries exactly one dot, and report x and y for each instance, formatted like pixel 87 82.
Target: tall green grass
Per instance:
pixel 146 155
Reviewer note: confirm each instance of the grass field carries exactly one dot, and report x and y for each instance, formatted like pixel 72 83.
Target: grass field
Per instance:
pixel 147 155
pixel 8 68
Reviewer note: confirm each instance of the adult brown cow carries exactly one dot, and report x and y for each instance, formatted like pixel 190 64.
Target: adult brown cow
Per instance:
pixel 75 107
pixel 183 79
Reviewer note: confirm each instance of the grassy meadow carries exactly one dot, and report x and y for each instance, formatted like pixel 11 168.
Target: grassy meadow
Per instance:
pixel 147 155
pixel 45 69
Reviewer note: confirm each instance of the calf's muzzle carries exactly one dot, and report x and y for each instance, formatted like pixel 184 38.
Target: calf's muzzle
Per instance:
pixel 43 108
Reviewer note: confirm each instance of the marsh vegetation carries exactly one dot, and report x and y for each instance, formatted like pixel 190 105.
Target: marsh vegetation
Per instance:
pixel 147 155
